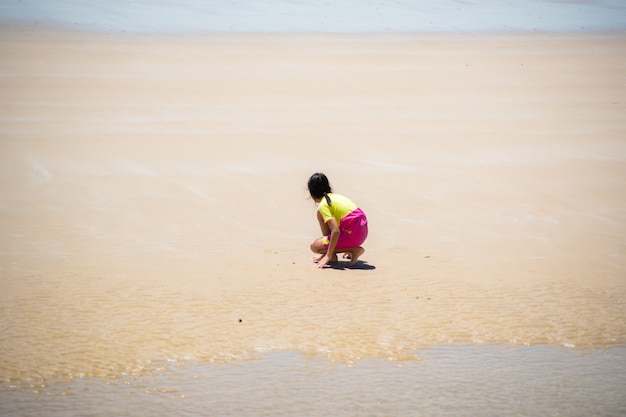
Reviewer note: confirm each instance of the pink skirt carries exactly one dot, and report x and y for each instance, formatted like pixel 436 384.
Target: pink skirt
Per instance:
pixel 353 229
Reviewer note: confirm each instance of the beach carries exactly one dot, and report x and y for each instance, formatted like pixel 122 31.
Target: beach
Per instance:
pixel 154 204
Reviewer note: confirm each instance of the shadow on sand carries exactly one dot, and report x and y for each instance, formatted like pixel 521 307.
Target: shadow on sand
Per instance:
pixel 363 265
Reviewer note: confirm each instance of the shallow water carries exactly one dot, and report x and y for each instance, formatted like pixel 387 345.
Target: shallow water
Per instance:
pixel 288 16
pixel 540 380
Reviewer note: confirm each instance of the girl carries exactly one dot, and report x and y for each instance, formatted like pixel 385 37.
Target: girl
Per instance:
pixel 343 224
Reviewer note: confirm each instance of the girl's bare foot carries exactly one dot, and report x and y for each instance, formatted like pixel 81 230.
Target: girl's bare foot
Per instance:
pixel 353 255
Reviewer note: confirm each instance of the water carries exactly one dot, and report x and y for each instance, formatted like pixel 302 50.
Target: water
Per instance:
pixel 447 381
pixel 348 16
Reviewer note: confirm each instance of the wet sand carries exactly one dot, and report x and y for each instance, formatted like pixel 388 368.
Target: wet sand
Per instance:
pixel 154 203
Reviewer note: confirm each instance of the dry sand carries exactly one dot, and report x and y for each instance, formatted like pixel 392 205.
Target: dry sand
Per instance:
pixel 154 204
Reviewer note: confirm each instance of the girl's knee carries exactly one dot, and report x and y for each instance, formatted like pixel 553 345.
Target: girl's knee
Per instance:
pixel 317 245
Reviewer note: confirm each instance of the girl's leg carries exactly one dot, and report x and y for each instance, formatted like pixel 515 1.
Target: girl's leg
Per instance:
pixel 353 254
pixel 317 246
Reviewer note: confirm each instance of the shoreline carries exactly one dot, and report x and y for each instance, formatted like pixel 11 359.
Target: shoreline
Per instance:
pixel 9 26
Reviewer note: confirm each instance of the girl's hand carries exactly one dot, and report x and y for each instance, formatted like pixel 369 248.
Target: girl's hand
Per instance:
pixel 321 263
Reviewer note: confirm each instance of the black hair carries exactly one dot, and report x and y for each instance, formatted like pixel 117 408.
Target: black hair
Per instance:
pixel 320 187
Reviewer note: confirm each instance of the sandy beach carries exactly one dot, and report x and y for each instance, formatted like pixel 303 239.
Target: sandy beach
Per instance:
pixel 154 204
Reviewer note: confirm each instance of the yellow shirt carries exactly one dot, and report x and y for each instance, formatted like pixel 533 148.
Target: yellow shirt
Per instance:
pixel 340 207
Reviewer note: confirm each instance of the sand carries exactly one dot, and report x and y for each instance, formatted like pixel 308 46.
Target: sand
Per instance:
pixel 154 202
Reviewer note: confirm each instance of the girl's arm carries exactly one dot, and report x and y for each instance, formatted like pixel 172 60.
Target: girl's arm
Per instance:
pixel 334 237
